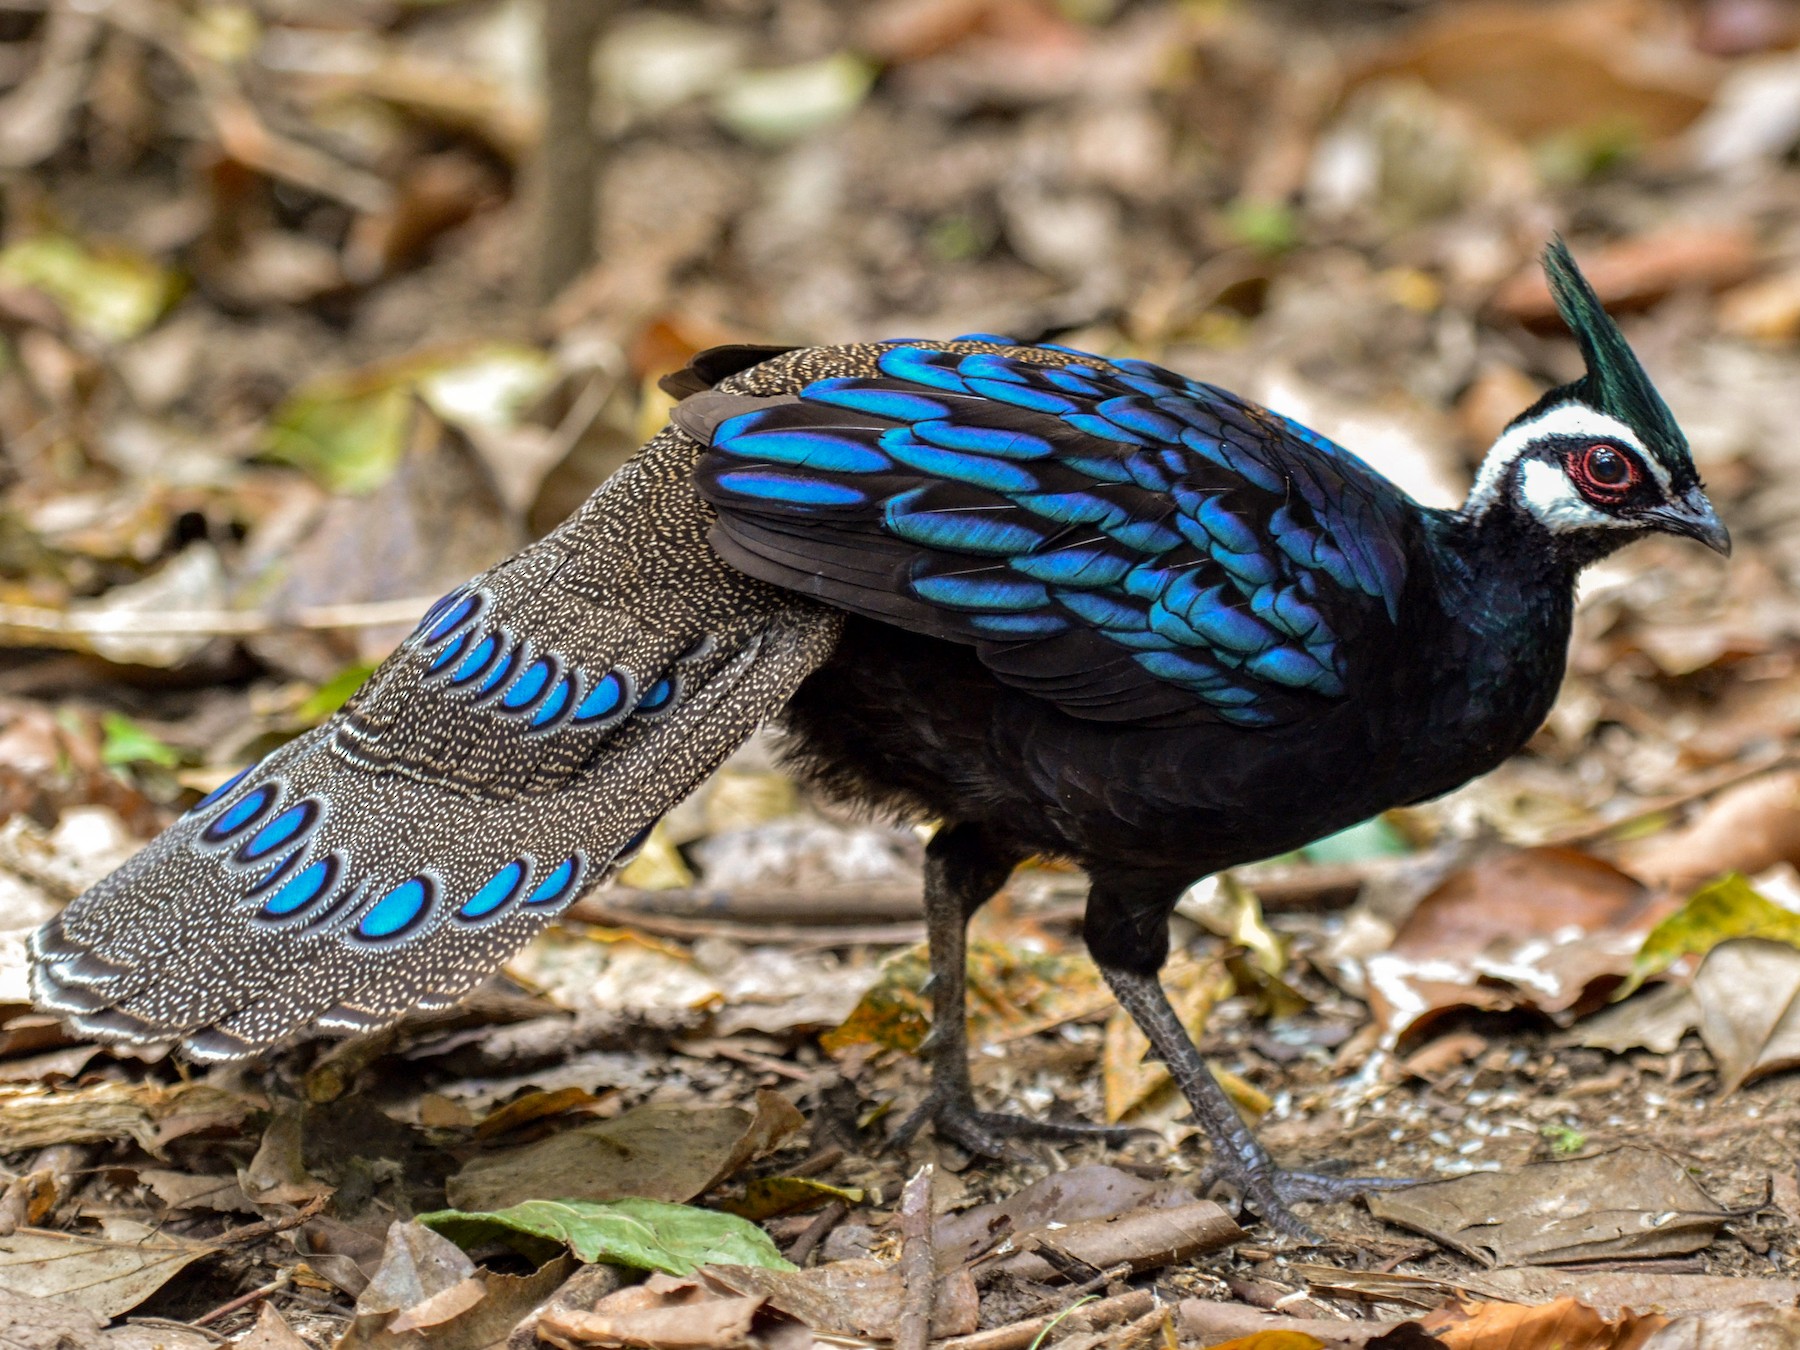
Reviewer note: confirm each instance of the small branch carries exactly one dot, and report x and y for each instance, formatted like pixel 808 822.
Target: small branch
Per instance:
pixel 593 909
pixel 242 1301
pixel 918 1262
pixel 59 627
pixel 816 1232
pixel 254 1232
pixel 1106 1312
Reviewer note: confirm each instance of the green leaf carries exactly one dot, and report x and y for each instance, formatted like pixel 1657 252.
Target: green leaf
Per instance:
pixel 124 742
pixel 642 1234
pixel 351 439
pixel 1727 908
pixel 109 293
pixel 335 692
pixel 1267 227
pixel 773 107
pixel 768 1197
pixel 1374 838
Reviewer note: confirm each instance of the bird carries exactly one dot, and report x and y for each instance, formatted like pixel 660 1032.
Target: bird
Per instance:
pixel 1060 604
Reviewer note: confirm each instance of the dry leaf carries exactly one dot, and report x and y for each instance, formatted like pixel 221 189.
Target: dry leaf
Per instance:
pixel 1562 1325
pixel 669 1153
pixel 1758 1328
pixel 105 1275
pixel 1748 991
pixel 147 1113
pixel 271 1333
pixel 1547 929
pixel 1629 1204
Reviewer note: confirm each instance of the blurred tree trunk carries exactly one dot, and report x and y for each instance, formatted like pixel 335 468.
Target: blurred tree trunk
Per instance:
pixel 568 161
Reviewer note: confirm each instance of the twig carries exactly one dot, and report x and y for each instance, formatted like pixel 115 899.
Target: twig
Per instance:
pixel 46 623
pixel 1729 777
pixel 595 910
pixel 816 1232
pixel 1104 1312
pixel 253 1232
pixel 918 1264
pixel 1086 1287
pixel 242 1301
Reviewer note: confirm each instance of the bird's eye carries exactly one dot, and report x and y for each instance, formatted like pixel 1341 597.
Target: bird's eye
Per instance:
pixel 1607 468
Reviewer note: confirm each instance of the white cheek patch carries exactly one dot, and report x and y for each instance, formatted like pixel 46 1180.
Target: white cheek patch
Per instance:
pixel 1546 492
pixel 1565 419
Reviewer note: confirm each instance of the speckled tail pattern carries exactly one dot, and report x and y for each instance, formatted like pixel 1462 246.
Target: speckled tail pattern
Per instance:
pixel 511 754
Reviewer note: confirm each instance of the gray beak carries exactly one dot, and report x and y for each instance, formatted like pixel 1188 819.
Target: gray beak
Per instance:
pixel 1694 517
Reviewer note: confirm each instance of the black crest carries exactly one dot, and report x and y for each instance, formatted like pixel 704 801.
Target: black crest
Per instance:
pixel 1615 382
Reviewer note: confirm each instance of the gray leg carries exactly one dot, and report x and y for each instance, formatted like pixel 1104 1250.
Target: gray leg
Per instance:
pixel 963 869
pixel 1238 1157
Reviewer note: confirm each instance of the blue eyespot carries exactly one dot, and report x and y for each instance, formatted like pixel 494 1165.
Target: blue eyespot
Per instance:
pixel 448 653
pixel 438 606
pixel 306 886
pixel 287 825
pixel 500 888
pixel 497 676
pixel 399 910
pixel 239 817
pixel 529 686
pixel 476 661
pixel 554 702
pixel 657 696
pixel 220 791
pixel 465 610
pixel 557 885
pixel 604 699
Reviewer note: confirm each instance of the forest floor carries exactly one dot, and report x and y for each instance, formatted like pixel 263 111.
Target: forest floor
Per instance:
pixel 272 379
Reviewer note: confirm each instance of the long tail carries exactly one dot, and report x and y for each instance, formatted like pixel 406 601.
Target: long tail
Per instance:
pixel 511 754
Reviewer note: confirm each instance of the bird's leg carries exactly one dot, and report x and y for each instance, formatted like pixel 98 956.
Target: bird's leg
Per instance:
pixel 1237 1156
pixel 964 866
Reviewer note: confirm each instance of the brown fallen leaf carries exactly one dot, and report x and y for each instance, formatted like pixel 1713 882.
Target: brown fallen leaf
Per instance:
pixel 532 1107
pixel 1612 1292
pixel 670 1153
pixel 277 1175
pixel 1639 271
pixel 1630 1203
pixel 1748 828
pixel 1546 929
pixel 1766 1327
pixel 1533 72
pixel 1748 992
pixel 149 1114
pixel 1090 1191
pixel 856 1297
pixel 1144 1239
pixel 665 1311
pixel 106 1274
pixel 271 1333
pixel 1562 1325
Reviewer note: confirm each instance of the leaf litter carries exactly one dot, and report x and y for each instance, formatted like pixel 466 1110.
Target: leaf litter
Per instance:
pixel 269 383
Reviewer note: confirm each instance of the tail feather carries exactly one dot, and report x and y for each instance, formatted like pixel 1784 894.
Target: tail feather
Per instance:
pixel 506 758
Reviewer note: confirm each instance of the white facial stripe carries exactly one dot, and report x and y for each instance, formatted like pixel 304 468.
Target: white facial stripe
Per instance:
pixel 1565 419
pixel 1548 494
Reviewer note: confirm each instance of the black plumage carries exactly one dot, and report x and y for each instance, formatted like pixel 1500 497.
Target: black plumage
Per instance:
pixel 1062 604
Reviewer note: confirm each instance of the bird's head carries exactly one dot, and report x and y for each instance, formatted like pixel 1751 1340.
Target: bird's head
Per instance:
pixel 1599 462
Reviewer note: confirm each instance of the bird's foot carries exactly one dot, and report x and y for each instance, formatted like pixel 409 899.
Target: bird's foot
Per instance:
pixel 954 1117
pixel 1272 1193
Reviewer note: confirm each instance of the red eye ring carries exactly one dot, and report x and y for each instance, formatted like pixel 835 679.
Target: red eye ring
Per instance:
pixel 1605 470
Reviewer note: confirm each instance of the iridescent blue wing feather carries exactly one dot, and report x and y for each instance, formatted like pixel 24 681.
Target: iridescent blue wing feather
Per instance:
pixel 1127 543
